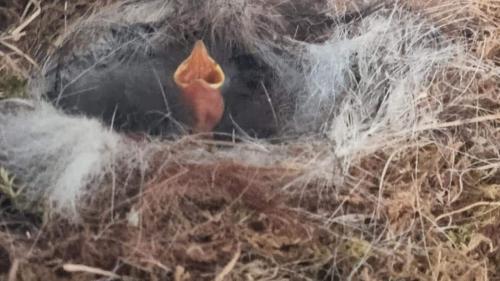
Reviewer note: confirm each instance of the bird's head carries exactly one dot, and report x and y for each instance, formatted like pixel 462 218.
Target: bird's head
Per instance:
pixel 200 78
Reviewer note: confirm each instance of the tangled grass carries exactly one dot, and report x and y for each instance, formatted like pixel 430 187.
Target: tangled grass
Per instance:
pixel 400 188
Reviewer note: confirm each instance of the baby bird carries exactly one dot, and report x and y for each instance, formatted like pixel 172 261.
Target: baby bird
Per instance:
pixel 164 88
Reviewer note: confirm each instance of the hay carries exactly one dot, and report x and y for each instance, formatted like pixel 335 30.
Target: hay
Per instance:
pixel 387 168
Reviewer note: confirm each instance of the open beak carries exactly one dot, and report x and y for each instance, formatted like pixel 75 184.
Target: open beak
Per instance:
pixel 200 78
pixel 199 66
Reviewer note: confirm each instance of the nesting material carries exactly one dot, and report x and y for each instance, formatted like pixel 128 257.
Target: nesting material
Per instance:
pixel 56 157
pixel 366 84
pixel 385 165
pixel 360 87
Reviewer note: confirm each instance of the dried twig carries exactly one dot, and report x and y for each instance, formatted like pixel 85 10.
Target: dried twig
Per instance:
pixel 87 269
pixel 230 266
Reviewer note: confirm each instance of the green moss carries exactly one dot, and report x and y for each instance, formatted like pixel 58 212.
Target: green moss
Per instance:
pixel 11 194
pixel 461 236
pixel 12 86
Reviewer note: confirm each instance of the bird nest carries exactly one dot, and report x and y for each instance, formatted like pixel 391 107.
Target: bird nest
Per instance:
pixel 392 171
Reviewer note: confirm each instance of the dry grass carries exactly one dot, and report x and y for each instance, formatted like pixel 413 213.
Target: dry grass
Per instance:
pixel 424 209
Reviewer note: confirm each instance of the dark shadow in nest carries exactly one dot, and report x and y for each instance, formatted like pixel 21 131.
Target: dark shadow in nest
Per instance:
pixel 306 24
pixel 16 221
pixel 9 12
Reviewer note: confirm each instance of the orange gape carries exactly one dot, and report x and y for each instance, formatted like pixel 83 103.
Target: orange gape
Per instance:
pixel 199 77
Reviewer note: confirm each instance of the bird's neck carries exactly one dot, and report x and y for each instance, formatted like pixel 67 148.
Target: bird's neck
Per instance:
pixel 205 105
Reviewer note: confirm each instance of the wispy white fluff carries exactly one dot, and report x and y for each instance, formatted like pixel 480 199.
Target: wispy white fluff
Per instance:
pixel 56 156
pixel 363 84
